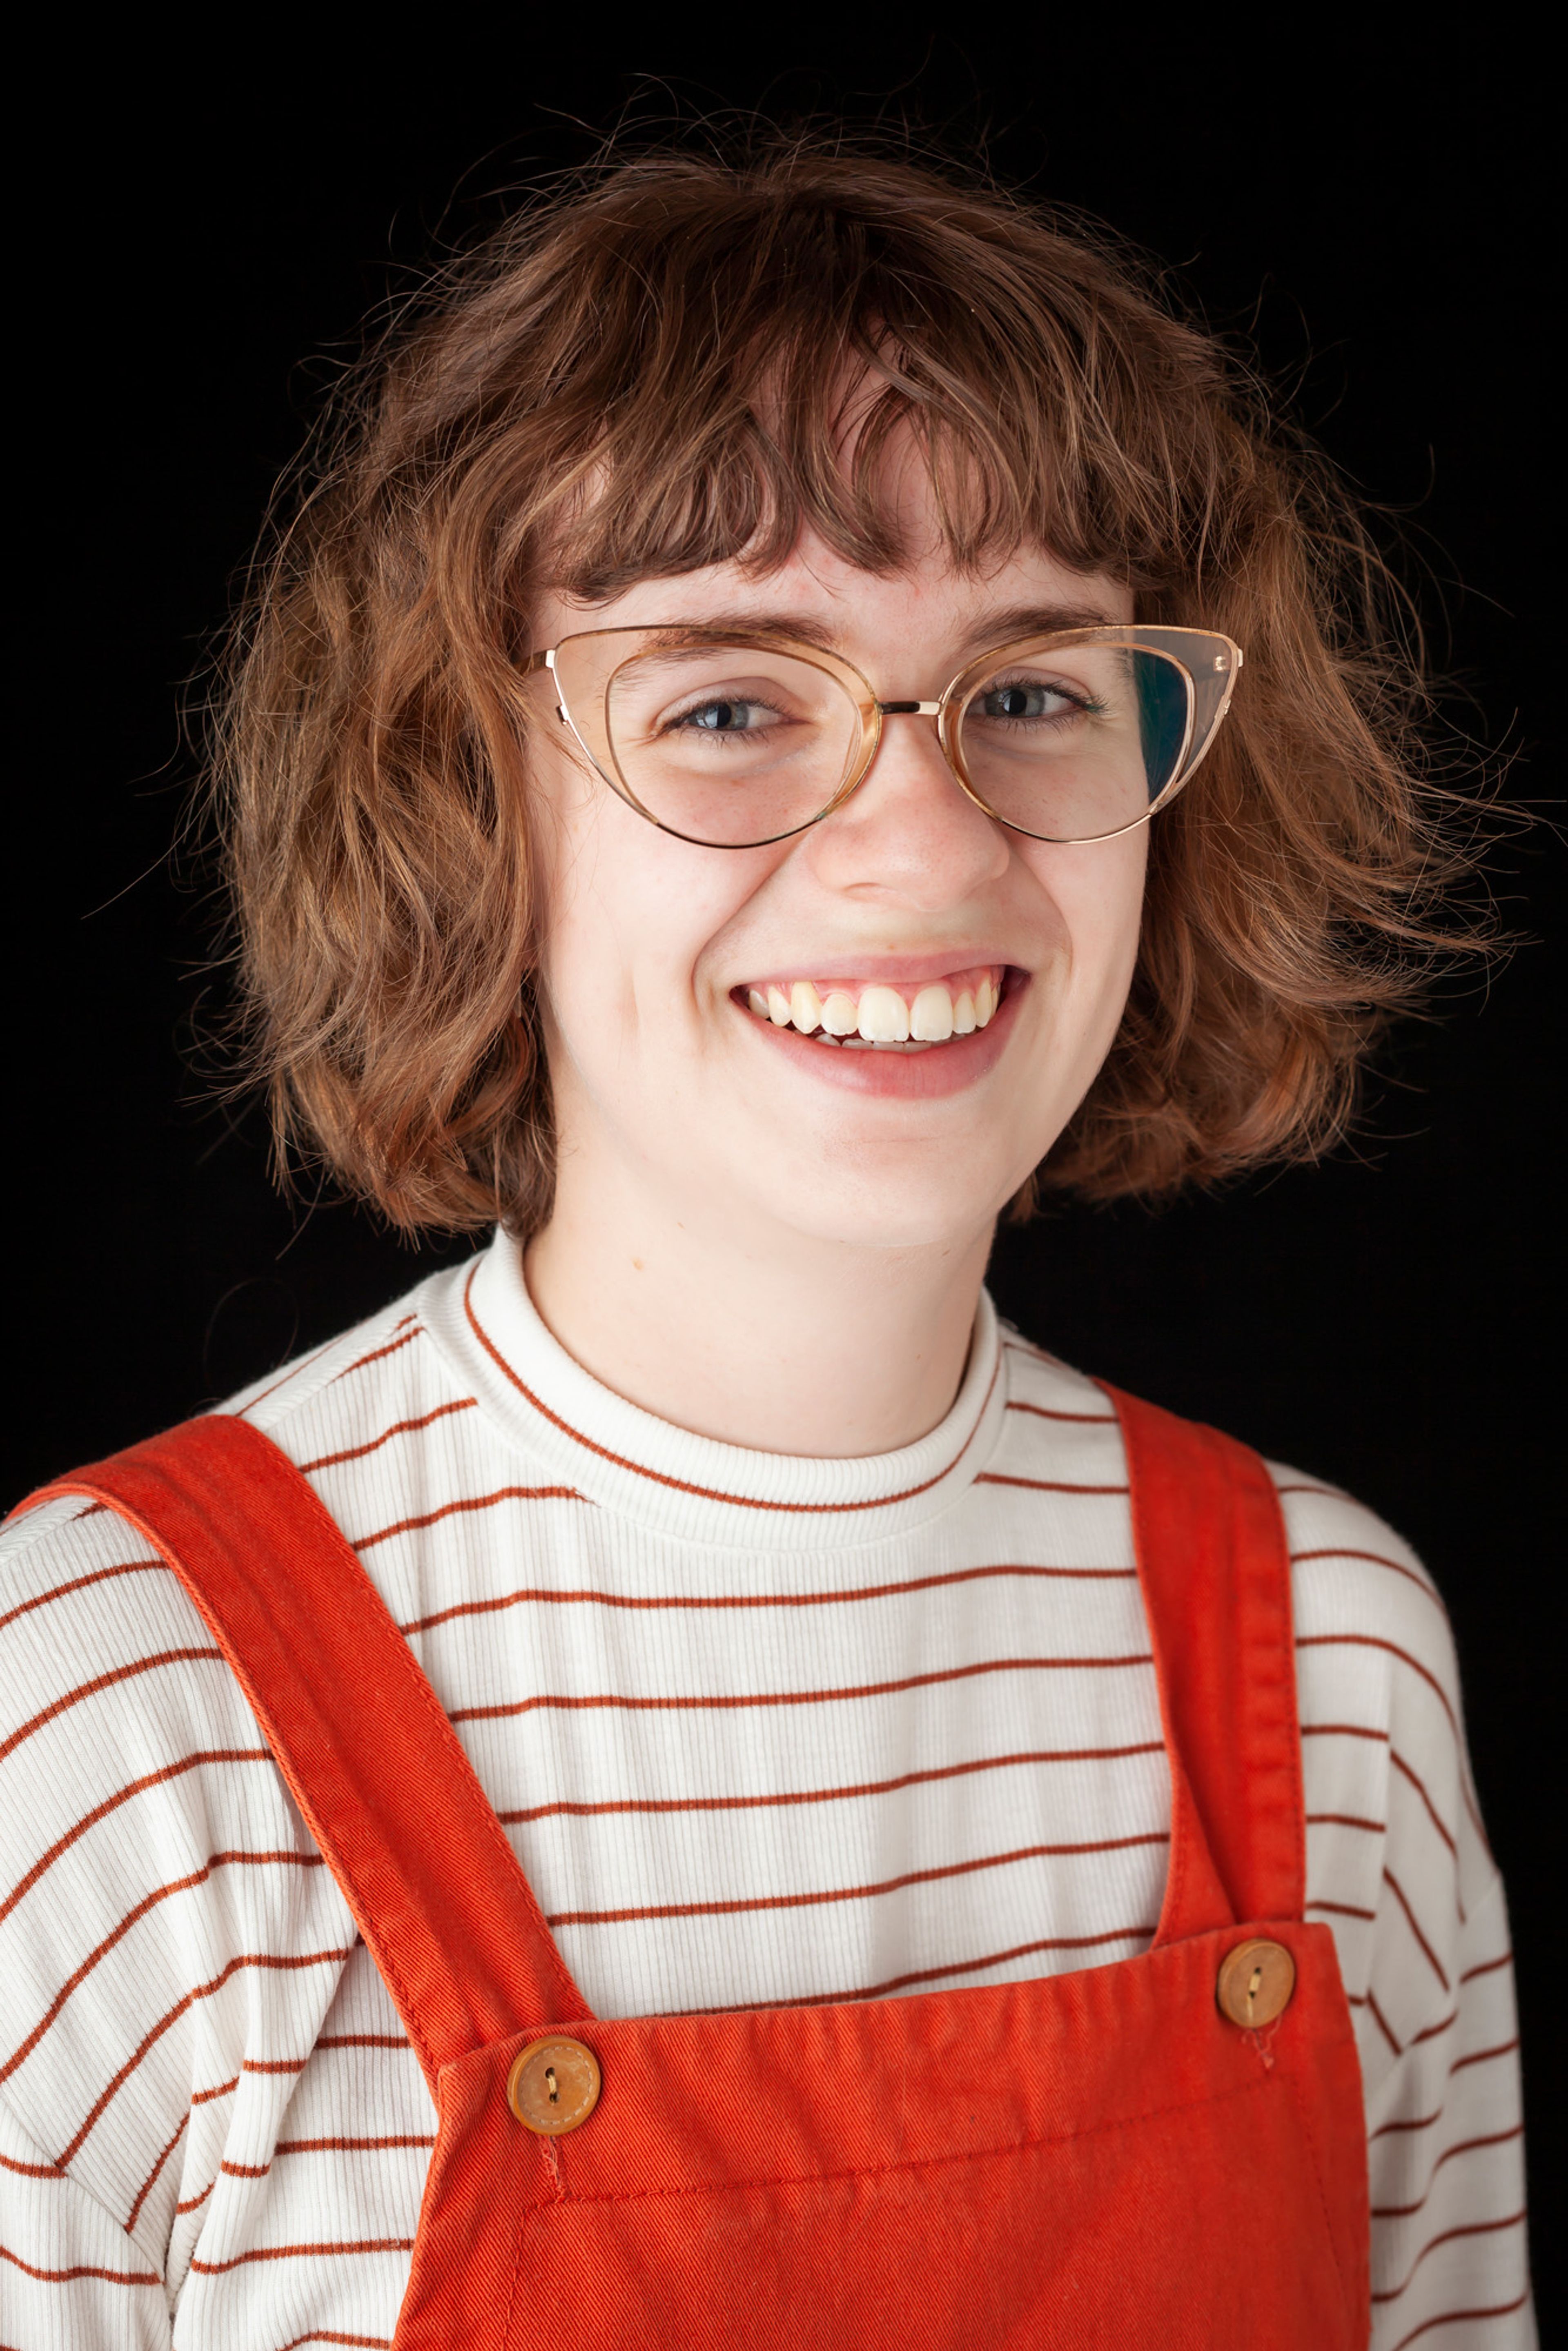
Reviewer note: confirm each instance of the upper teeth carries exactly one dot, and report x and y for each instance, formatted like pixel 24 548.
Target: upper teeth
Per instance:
pixel 879 1014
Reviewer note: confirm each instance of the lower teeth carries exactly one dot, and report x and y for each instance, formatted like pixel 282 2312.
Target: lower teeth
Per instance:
pixel 879 1044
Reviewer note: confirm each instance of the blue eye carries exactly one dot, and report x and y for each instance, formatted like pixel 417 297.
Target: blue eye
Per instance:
pixel 1024 701
pixel 724 717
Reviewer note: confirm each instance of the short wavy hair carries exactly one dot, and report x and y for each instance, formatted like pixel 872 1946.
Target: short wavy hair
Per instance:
pixel 649 370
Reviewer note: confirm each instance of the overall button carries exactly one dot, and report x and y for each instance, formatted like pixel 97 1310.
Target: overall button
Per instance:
pixel 554 2084
pixel 1256 1980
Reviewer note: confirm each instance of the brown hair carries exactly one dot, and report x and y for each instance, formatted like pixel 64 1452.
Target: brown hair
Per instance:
pixel 650 372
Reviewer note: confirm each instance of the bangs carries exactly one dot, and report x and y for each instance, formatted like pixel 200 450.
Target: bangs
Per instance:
pixel 725 374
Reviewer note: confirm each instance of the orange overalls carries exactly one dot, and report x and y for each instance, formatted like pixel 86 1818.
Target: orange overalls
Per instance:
pixel 1165 2151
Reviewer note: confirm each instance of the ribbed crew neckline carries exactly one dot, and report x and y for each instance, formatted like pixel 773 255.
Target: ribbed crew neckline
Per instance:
pixel 612 1452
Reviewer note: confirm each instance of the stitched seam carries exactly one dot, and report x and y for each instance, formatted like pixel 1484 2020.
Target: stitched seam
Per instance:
pixel 923 2163
pixel 1344 2290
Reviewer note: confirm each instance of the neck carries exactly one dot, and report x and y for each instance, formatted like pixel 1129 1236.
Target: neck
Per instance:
pixel 781 1342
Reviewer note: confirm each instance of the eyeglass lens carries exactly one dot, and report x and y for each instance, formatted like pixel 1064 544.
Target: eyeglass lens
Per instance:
pixel 732 745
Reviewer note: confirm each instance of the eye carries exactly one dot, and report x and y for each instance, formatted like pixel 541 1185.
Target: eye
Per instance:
pixel 724 716
pixel 1026 699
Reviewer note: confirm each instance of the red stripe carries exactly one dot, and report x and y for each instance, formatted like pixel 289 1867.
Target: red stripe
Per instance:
pixel 589 1596
pixel 1377 1559
pixel 846 1893
pixel 304 2252
pixel 203 1991
pixel 82 2269
pixel 1444 2236
pixel 931 1975
pixel 789 1698
pixel 1346 1821
pixel 1382 2023
pixel 1043 1485
pixel 364 2041
pixel 391 1348
pixel 31 2170
pixel 78 1584
pixel 131 1918
pixel 330 2334
pixel 1404 1901
pixel 709 1493
pixel 1453 2318
pixel 1420 1787
pixel 194 2203
pixel 1461 2146
pixel 205 2097
pixel 1088 1419
pixel 1485 1967
pixel 834 1795
pixel 146 2187
pixel 475 1502
pixel 123 1796
pixel 1339 1730
pixel 1483 2056
pixel 398 1428
pixel 1417 2122
pixel 101 1682
pixel 1341 1909
pixel 352 2146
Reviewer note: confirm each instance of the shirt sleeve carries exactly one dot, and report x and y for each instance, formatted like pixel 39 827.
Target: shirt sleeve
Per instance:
pixel 1399 1866
pixel 1446 2160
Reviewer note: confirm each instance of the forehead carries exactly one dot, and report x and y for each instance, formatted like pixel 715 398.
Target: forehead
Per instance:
pixel 928 605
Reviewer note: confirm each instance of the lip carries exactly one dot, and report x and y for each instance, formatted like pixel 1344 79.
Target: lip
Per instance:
pixel 946 1069
pixel 889 970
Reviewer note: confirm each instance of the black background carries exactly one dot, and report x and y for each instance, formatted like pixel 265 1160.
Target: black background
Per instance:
pixel 199 237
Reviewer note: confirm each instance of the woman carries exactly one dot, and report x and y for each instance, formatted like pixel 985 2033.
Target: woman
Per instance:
pixel 800 707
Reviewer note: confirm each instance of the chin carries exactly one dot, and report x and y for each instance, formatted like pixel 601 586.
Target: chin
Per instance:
pixel 891 1208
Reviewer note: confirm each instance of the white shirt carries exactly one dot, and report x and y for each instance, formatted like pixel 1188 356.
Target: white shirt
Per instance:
pixel 760 1727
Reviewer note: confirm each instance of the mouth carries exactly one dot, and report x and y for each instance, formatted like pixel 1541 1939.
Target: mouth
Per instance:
pixel 927 1036
pixel 877 1016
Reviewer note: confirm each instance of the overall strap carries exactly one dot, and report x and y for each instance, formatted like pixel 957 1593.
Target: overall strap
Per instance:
pixel 1215 1570
pixel 356 1729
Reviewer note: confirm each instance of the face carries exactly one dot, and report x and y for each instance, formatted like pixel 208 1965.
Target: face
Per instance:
pixel 675 978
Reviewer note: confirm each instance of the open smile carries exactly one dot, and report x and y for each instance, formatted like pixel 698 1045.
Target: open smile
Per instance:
pixel 919 1037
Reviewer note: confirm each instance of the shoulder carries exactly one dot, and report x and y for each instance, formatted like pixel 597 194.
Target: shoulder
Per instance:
pixel 153 1867
pixel 1368 1612
pixel 387 1376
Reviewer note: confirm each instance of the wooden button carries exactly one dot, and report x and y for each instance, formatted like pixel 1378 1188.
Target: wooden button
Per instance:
pixel 554 2085
pixel 1256 1980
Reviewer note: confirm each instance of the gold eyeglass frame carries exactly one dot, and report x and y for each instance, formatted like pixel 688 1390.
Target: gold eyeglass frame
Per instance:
pixel 1208 661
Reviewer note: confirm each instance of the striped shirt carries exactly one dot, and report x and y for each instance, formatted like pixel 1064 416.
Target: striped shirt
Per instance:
pixel 761 1728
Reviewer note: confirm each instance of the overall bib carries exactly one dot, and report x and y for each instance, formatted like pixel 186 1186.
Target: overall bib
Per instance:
pixel 1165 2151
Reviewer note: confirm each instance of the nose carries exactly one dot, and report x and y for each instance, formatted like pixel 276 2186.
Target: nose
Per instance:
pixel 909 832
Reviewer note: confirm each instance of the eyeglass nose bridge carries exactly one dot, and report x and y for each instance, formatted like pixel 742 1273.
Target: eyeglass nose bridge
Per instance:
pixel 938 710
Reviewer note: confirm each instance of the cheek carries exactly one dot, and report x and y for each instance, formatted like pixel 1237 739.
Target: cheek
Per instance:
pixel 1094 899
pixel 630 916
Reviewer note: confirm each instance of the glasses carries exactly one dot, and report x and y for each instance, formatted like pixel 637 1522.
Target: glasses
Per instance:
pixel 736 740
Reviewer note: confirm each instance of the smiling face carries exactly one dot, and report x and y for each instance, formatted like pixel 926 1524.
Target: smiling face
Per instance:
pixel 867 1034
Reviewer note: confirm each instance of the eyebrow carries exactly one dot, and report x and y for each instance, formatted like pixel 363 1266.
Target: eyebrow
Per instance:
pixel 998 628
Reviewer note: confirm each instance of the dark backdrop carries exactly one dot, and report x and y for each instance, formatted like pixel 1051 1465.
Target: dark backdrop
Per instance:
pixel 198 239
